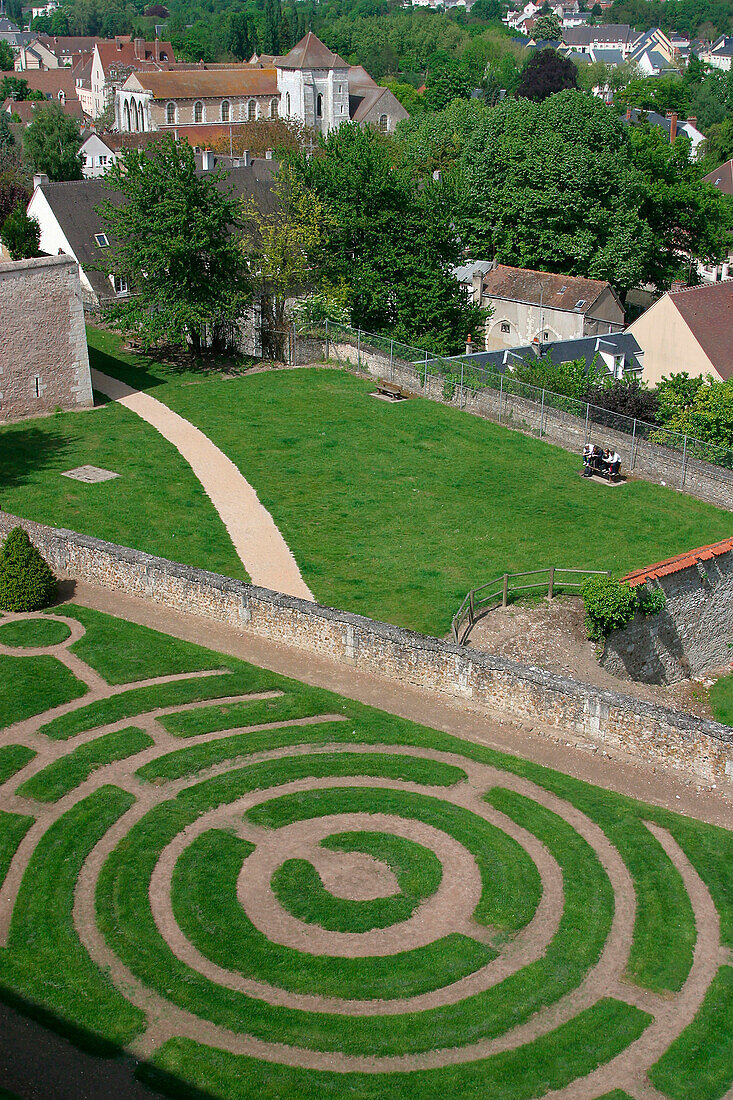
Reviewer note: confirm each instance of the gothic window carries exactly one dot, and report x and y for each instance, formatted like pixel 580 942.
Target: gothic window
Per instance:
pixel 287 104
pixel 251 110
pixel 127 117
pixel 383 123
pixel 170 114
pixel 273 108
pixel 198 112
pixel 505 326
pixel 225 110
pixel 319 106
pixel 140 118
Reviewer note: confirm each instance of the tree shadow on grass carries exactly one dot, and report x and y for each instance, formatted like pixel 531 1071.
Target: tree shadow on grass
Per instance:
pixel 137 374
pixel 24 450
pixel 41 1054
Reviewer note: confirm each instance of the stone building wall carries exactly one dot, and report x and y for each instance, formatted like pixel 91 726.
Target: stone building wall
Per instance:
pixel 493 685
pixel 692 635
pixel 44 362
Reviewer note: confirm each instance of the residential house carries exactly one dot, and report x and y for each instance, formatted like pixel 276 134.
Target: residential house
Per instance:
pixel 671 124
pixel 620 354
pixel 719 54
pixel 58 84
pixel 688 330
pixel 722 180
pixel 10 32
pixel 35 55
pixel 45 51
pixel 537 305
pixel 25 110
pixel 614 36
pixel 111 64
pixel 653 54
pixel 310 85
pixel 70 223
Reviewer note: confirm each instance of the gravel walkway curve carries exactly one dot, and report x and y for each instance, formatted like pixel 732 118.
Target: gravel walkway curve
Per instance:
pixel 257 540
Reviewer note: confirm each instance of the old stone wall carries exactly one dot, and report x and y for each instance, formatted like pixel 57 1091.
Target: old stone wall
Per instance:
pixel 644 458
pixel 44 363
pixel 491 684
pixel 692 635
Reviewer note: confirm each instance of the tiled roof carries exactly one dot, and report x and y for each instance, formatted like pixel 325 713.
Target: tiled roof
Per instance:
pixel 519 284
pixel 237 80
pixel 310 53
pixel 708 313
pixel 678 563
pixel 124 55
pixel 26 109
pixel 722 178
pixel 52 81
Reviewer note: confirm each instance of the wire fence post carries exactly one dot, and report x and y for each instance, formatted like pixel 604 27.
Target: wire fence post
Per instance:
pixel 505 591
pixel 391 360
pixel 551 585
pixel 501 393
pixel 358 347
pixel 587 422
pixel 327 339
pixel 294 356
pixel 425 379
pixel 684 463
pixel 633 447
pixel 460 396
pixel 542 412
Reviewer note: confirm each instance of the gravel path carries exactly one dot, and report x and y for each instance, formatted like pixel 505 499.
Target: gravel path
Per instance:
pixel 257 540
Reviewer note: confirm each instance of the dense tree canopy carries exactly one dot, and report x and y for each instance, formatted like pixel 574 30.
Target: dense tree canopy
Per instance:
pixel 52 143
pixel 184 261
pixel 390 241
pixel 20 234
pixel 545 74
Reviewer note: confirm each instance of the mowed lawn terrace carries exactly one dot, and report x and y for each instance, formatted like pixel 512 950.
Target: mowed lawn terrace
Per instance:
pixel 391 510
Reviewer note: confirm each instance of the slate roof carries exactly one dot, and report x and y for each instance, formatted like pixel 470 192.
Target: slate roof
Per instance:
pixel 74 206
pixel 310 53
pixel 567 292
pixel 722 178
pixel 563 351
pixel 612 33
pixel 464 272
pixel 236 80
pixel 708 314
pixel 678 563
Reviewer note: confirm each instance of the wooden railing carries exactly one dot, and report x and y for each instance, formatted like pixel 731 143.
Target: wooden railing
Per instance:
pixel 496 593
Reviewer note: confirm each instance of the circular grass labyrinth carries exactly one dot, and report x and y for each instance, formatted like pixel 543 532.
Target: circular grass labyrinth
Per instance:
pixel 307 897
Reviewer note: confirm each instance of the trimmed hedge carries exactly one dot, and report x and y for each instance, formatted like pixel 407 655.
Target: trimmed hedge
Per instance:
pixel 26 582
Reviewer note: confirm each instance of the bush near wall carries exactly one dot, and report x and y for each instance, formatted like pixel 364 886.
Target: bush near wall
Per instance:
pixel 26 582
pixel 609 606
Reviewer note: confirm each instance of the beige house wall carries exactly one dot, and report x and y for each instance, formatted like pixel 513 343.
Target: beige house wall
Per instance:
pixel 668 345
pixel 527 322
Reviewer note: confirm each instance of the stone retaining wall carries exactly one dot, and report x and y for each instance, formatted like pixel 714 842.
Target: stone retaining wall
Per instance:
pixel 494 685
pixel 649 460
pixel 692 635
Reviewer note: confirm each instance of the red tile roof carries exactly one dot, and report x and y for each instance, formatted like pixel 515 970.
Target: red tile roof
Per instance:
pixel 519 284
pixel 722 178
pixel 708 313
pixel 236 80
pixel 125 55
pixel 678 563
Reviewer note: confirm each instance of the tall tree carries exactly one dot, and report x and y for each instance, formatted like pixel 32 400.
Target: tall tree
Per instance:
pixel 547 28
pixel 390 242
pixel 52 143
pixel 237 39
pixel 175 241
pixel 545 74
pixel 7 61
pixel 20 234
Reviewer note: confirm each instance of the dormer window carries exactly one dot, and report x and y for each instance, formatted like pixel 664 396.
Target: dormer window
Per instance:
pixel 102 240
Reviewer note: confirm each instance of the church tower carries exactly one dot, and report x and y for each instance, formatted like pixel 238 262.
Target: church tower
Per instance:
pixel 314 85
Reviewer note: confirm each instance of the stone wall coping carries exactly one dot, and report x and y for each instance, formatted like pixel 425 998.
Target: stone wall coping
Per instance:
pixel 19 267
pixel 396 635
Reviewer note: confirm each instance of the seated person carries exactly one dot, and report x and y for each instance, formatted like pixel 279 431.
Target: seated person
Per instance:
pixel 614 463
pixel 587 452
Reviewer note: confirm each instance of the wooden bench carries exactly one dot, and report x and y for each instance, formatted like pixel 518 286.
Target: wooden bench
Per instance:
pixel 392 389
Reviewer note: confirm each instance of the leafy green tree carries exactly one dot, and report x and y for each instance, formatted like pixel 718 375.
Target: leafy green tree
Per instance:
pixel 662 94
pixel 718 145
pixel 708 104
pixel 52 143
pixel 546 73
pixel 633 210
pixel 238 40
pixel 547 28
pixel 390 241
pixel 26 582
pixel 708 415
pixel 20 234
pixel 450 81
pixel 408 96
pixel 434 141
pixel 570 379
pixel 7 61
pixel 176 244
pixel 14 87
pixel 488 10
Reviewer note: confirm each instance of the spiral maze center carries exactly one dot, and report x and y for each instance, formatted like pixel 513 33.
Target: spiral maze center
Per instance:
pixel 254 884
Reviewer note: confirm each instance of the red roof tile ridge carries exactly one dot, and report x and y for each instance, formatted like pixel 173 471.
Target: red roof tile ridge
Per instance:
pixel 679 562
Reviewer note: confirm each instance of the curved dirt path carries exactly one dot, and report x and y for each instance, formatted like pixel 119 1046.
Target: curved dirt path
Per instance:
pixel 258 542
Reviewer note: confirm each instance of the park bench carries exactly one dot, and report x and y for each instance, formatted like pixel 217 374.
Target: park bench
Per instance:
pixel 599 469
pixel 392 389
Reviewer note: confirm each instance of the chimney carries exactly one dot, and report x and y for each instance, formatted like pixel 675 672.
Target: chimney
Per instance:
pixel 477 287
pixel 140 49
pixel 628 114
pixel 201 63
pixel 118 42
pixel 268 154
pixel 39 179
pixel 207 160
pixel 692 121
pixel 157 48
pixel 672 116
pixel 246 159
pixel 469 345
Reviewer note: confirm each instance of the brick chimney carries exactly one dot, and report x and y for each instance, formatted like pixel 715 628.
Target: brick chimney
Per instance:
pixel 628 114
pixel 672 116
pixel 693 121
pixel 140 49
pixel 207 160
pixel 118 42
pixel 469 345
pixel 157 49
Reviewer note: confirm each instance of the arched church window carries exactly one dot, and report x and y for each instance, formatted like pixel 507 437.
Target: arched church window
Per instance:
pixel 198 112
pixel 251 110
pixel 319 106
pixel 225 110
pixel 383 123
pixel 170 114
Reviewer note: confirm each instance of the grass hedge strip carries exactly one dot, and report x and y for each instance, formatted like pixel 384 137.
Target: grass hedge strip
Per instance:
pixel 30 685
pixel 294 704
pixel 208 912
pixel 699 1064
pixel 592 1038
pixel 44 960
pixel 12 759
pixel 33 633
pixel 63 775
pixel 13 828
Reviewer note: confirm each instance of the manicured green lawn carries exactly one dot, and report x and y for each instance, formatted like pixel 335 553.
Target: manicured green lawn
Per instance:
pixel 721 700
pixel 395 511
pixel 29 685
pixel 33 633
pixel 57 779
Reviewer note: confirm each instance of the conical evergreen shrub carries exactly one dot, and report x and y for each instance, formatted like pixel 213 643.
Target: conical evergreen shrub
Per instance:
pixel 26 582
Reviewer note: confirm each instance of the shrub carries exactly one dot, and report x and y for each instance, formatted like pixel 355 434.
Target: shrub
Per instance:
pixel 26 582
pixel 609 606
pixel 651 600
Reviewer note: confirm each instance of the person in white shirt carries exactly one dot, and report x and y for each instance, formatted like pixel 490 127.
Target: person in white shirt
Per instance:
pixel 614 463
